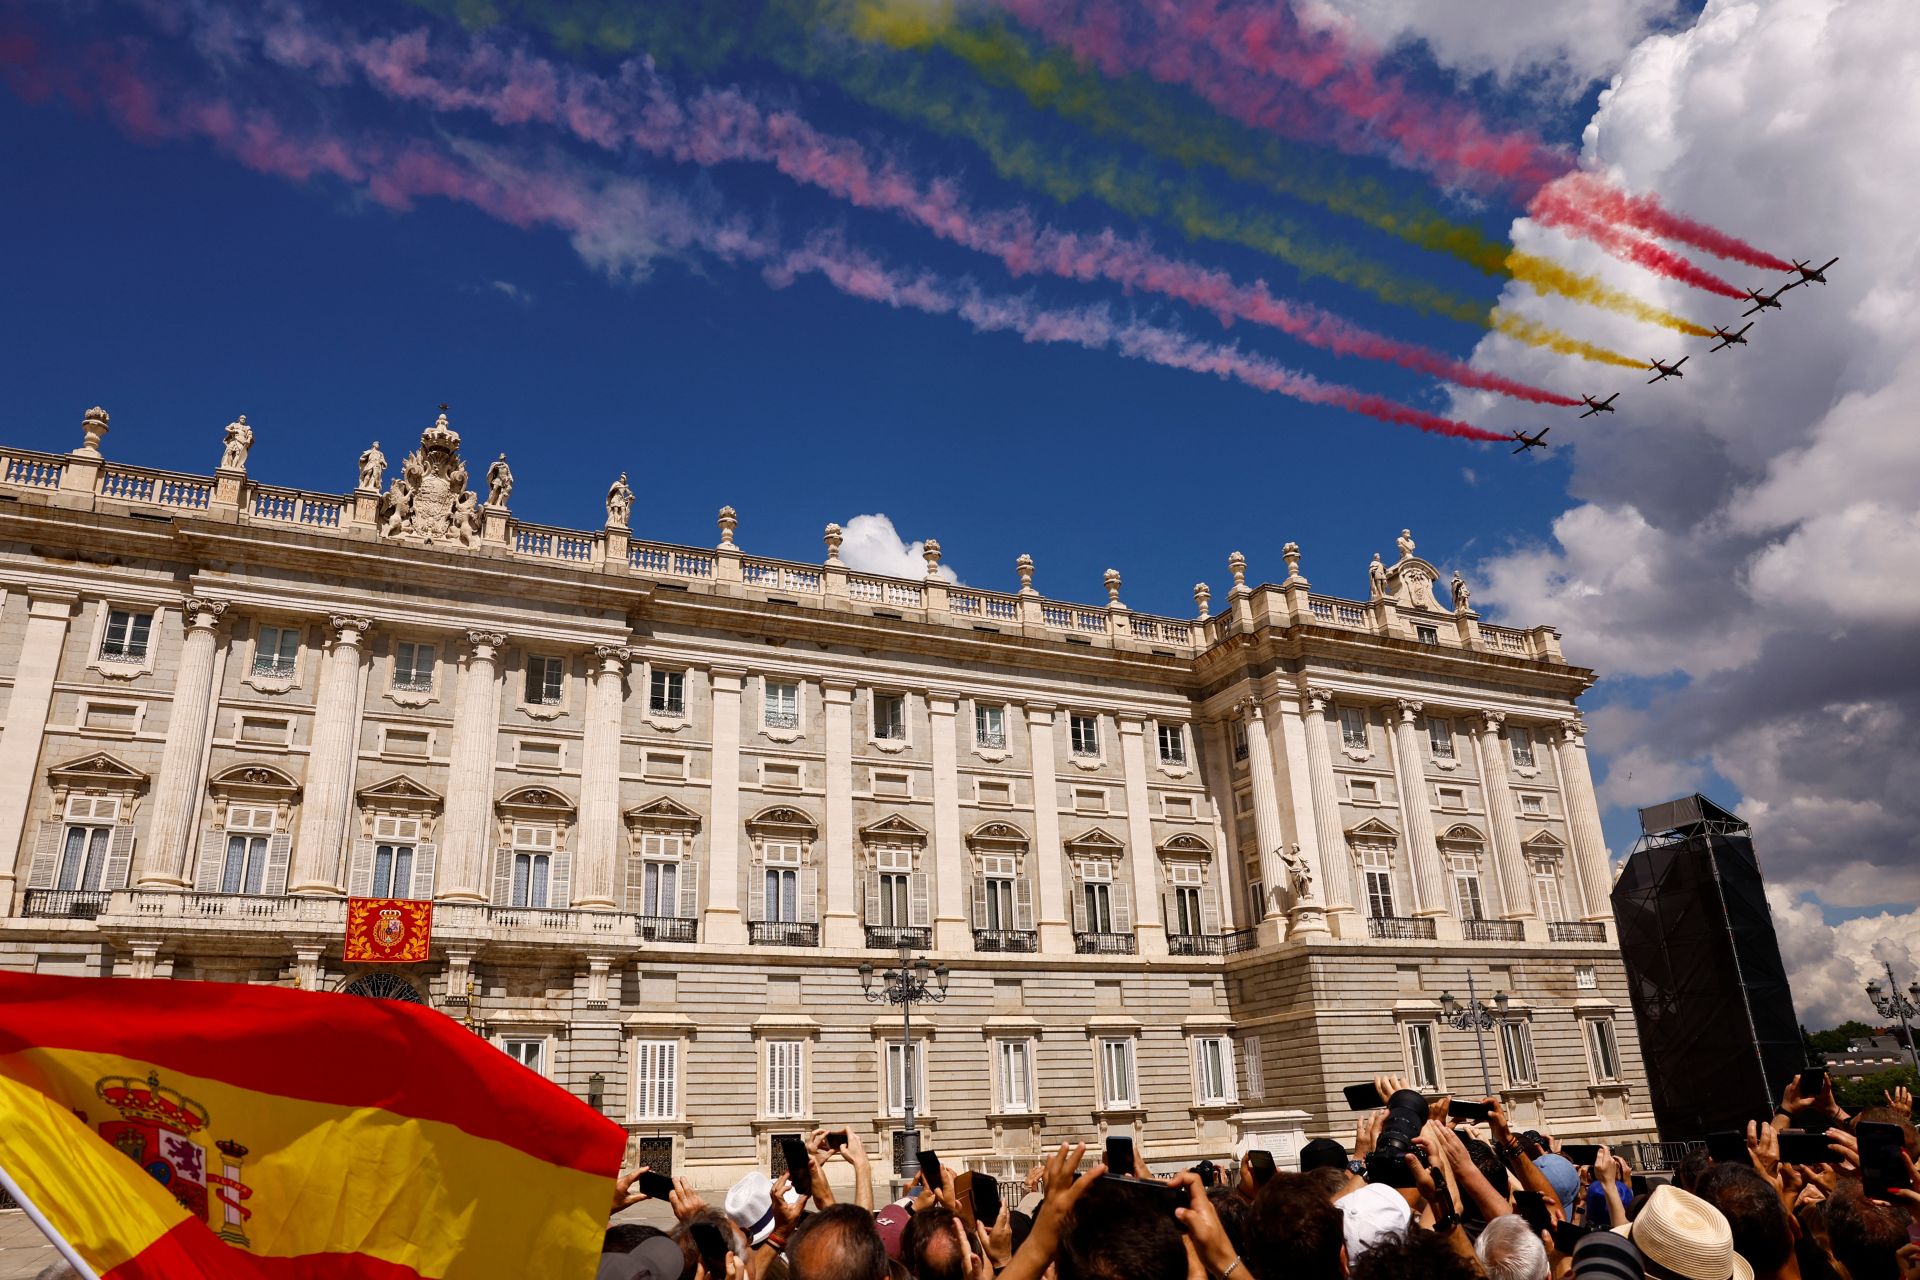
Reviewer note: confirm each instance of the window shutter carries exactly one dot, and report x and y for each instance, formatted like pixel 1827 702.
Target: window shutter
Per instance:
pixel 424 858
pixel 873 897
pixel 1122 906
pixel 119 856
pixel 920 900
pixel 1169 913
pixel 560 880
pixel 502 876
pixel 689 889
pixel 279 856
pixel 1228 1078
pixel 1209 907
pixel 636 884
pixel 46 857
pixel 1023 904
pixel 979 901
pixel 809 895
pixel 757 890
pixel 1079 906
pixel 360 873
pixel 213 848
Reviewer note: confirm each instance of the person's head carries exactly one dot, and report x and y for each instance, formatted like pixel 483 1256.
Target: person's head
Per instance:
pixel 1322 1153
pixel 839 1243
pixel 730 1232
pixel 1602 1255
pixel 1331 1181
pixel 1686 1174
pixel 1487 1161
pixel 1763 1231
pixel 1417 1255
pixel 932 1249
pixel 1865 1236
pixel 1682 1237
pixel 1294 1231
pixel 1117 1233
pixel 1510 1250
pixel 1022 1226
pixel 625 1237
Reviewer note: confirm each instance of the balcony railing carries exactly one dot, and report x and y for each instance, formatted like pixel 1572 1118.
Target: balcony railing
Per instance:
pixel 1194 944
pixel 417 682
pixel 1238 941
pixel 1105 944
pixel 1494 930
pixel 991 740
pixel 1575 931
pixel 65 904
pixel 1005 940
pixel 782 933
pixel 783 719
pixel 892 937
pixel 667 928
pixel 121 652
pixel 281 668
pixel 1408 927
pixel 673 708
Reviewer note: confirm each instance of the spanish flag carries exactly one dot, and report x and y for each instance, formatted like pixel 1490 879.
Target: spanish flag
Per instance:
pixel 162 1128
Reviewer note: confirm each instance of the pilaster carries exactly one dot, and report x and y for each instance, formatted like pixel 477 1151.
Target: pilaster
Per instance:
pixel 1049 858
pixel 176 793
pixel 1217 765
pixel 328 797
pixel 596 860
pixel 26 726
pixel 1423 850
pixel 1266 817
pixel 1510 872
pixel 1148 927
pixel 1583 820
pixel 470 763
pixel 952 931
pixel 1336 863
pixel 842 919
pixel 722 922
pixel 1306 912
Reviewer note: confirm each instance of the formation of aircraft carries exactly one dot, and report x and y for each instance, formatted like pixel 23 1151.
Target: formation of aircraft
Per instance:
pixel 1722 337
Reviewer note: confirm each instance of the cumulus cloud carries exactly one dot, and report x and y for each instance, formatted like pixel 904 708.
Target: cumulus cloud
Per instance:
pixel 1830 964
pixel 874 546
pixel 1746 536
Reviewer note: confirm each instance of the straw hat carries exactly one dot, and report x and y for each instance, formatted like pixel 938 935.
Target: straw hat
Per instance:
pixel 1682 1234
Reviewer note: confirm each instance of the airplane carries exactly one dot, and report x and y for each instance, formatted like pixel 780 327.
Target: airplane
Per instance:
pixel 1599 406
pixel 1667 370
pixel 1814 275
pixel 1532 442
pixel 1761 301
pixel 1730 339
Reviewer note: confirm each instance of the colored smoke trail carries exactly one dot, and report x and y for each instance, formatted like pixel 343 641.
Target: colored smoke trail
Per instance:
pixel 1599 201
pixel 1548 276
pixel 1555 207
pixel 620 225
pixel 1534 334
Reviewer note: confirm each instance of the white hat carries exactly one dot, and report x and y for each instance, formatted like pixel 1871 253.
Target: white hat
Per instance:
pixel 1374 1214
pixel 750 1205
pixel 1681 1233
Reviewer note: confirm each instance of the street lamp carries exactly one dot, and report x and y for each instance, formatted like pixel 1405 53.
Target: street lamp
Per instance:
pixel 913 982
pixel 1895 1005
pixel 1477 1018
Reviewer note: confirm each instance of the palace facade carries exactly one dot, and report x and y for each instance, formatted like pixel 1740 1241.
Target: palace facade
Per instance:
pixel 1189 876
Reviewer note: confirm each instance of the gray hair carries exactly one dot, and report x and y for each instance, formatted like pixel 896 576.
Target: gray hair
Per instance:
pixel 1509 1250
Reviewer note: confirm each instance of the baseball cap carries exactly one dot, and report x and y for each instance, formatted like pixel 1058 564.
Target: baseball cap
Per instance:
pixel 1559 1171
pixel 1374 1213
pixel 1323 1153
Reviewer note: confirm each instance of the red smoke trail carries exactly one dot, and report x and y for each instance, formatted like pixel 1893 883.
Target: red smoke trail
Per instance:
pixel 1556 207
pixel 1592 197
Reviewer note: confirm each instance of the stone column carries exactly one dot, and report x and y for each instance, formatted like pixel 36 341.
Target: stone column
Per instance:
pixel 328 797
pixel 1336 862
pixel 176 792
pixel 723 921
pixel 842 918
pixel 1148 927
pixel 952 930
pixel 1266 819
pixel 1510 870
pixel 465 830
pixel 596 860
pixel 1416 815
pixel 1308 912
pixel 1217 761
pixel 1054 924
pixel 26 727
pixel 1583 820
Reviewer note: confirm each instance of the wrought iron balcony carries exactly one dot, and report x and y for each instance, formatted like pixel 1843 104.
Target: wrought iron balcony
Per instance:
pixel 268 665
pixel 676 708
pixel 419 682
pixel 991 740
pixel 1005 940
pixel 1238 941
pixel 1105 944
pixel 782 933
pixel 667 928
pixel 1407 927
pixel 783 720
pixel 1493 930
pixel 66 904
pixel 123 653
pixel 1240 750
pixel 892 937
pixel 1575 931
pixel 1194 944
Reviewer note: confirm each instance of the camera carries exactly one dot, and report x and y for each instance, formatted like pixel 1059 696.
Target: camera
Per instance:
pixel 1406 1115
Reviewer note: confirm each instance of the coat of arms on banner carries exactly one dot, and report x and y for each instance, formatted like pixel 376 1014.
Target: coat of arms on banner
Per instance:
pixel 388 930
pixel 159 1130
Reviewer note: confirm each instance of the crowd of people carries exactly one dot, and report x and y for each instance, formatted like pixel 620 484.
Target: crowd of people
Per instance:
pixel 1421 1192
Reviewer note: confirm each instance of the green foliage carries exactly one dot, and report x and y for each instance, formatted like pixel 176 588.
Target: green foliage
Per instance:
pixel 1871 1091
pixel 1836 1039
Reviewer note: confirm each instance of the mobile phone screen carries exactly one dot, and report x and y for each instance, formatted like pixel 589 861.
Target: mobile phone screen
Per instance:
pixel 1811 1082
pixel 1364 1097
pixel 986 1201
pixel 1881 1169
pixel 1805 1148
pixel 1120 1157
pixel 1566 1235
pixel 799 1167
pixel 1153 1197
pixel 1461 1109
pixel 657 1186
pixel 1533 1207
pixel 837 1139
pixel 930 1169
pixel 1728 1148
pixel 1580 1154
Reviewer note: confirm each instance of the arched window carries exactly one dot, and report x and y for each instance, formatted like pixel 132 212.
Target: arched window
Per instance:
pixel 783 885
pixel 383 986
pixel 1002 892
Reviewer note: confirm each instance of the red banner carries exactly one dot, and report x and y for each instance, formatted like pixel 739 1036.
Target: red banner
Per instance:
pixel 388 930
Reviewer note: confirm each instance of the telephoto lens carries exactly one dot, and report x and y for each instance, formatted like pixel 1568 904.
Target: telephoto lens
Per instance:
pixel 1406 1114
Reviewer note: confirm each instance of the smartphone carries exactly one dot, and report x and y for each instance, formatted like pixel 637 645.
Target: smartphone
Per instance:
pixel 1119 1159
pixel 1812 1081
pixel 1363 1097
pixel 1881 1169
pixel 1566 1235
pixel 986 1201
pixel 837 1138
pixel 655 1186
pixel 1728 1148
pixel 1580 1154
pixel 711 1246
pixel 1533 1207
pixel 1163 1197
pixel 930 1170
pixel 1475 1112
pixel 1797 1147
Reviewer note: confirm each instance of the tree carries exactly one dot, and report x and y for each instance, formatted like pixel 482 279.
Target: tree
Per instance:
pixel 1871 1091
pixel 1836 1039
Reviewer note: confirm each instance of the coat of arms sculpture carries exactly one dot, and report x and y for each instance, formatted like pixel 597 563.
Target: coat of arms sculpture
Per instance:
pixel 429 500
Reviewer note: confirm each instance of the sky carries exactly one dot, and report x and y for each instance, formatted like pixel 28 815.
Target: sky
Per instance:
pixel 861 270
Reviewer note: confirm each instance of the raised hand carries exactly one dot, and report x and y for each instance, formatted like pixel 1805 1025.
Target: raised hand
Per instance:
pixel 624 1196
pixel 1763 1148
pixel 1900 1100
pixel 1202 1225
pixel 685 1201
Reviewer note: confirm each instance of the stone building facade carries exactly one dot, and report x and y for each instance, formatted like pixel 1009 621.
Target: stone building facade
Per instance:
pixel 1190 876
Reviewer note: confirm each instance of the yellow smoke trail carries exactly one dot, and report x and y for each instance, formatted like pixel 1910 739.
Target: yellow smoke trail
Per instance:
pixel 1547 276
pixel 1534 334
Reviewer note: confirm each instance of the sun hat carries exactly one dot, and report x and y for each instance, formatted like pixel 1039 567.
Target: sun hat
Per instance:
pixel 656 1258
pixel 750 1204
pixel 1372 1215
pixel 1601 1255
pixel 1680 1233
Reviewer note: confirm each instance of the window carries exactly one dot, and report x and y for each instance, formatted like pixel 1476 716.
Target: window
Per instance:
pixel 530 1054
pixel 781 709
pixel 896 1097
pixel 1084 733
pixel 1097 895
pixel 88 842
pixel 660 881
pixel 1546 894
pixel 996 879
pixel 245 867
pixel 1453 798
pixel 1251 1064
pixel 1440 738
pixel 1213 1064
pixel 890 717
pixel 1173 744
pixel 393 872
pixel 1516 1050
pixel 413 667
pixel 1521 739
pixel 545 681
pixel 275 650
pixel 1353 728
pixel 656 1076
pixel 1239 739
pixel 1603 1050
pixel 1535 805
pixel 1256 897
pixel 1376 866
pixel 895 868
pixel 1467 903
pixel 1015 1059
pixel 1183 916
pixel 989 727
pixel 782 867
pixel 125 639
pixel 667 695
pixel 1423 1070
pixel 532 864
pixel 1363 792
pixel 1426 634
pixel 786 1091
pixel 1584 979
pixel 1116 1074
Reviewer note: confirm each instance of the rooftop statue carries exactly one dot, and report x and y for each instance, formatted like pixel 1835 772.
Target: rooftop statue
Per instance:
pixel 429 500
pixel 239 441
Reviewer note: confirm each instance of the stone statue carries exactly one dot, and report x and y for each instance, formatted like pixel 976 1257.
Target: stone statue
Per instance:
pixel 1460 593
pixel 1299 874
pixel 429 499
pixel 619 503
pixel 239 440
pixel 1377 577
pixel 1405 543
pixel 373 467
pixel 499 482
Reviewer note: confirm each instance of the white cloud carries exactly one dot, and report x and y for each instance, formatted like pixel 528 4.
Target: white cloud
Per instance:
pixel 1829 965
pixel 874 546
pixel 511 292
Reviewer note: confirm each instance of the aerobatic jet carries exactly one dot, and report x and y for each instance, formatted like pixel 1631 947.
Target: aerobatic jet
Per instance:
pixel 1730 339
pixel 1667 370
pixel 1599 406
pixel 1761 301
pixel 1527 442
pixel 1812 275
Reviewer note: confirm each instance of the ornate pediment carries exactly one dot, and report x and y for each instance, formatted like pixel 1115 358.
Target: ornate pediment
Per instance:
pixel 1543 846
pixel 1461 833
pixel 785 819
pixel 1096 841
pixel 663 813
pixel 893 829
pixel 1372 829
pixel 97 772
pixel 399 792
pixel 998 833
pixel 1186 844
pixel 534 802
pixel 253 782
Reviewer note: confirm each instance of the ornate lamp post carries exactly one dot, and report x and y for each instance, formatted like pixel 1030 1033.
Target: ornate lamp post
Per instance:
pixel 1895 1005
pixel 1477 1018
pixel 914 981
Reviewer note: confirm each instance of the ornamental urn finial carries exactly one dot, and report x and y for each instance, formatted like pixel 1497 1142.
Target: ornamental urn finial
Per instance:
pixel 729 521
pixel 1238 564
pixel 1024 565
pixel 930 551
pixel 1112 578
pixel 833 537
pixel 1202 598
pixel 92 427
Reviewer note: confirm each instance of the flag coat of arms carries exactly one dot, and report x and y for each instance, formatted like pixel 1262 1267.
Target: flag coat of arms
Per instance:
pixel 388 930
pixel 161 1128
